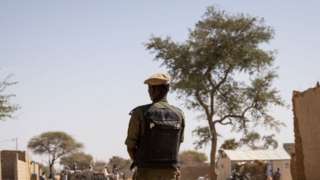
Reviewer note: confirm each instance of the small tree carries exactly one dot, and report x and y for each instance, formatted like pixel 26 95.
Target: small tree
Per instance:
pixel 192 158
pixel 6 107
pixel 80 159
pixel 55 145
pixel 222 71
pixel 120 164
pixel 99 165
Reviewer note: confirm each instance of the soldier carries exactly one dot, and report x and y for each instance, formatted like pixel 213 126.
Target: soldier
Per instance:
pixel 155 133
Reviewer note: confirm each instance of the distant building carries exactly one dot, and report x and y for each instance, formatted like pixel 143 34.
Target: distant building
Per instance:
pixel 16 165
pixel 229 160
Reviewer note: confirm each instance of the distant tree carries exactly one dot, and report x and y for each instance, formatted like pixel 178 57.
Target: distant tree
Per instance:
pixel 6 107
pixel 192 158
pixel 222 71
pixel 80 159
pixel 121 164
pixel 54 144
pixel 99 165
pixel 230 144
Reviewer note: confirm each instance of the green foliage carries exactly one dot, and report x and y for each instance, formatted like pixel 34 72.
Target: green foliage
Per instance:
pixel 6 107
pixel 121 164
pixel 222 70
pixel 54 144
pixel 253 140
pixel 80 159
pixel 230 144
pixel 99 166
pixel 191 157
pixel 269 141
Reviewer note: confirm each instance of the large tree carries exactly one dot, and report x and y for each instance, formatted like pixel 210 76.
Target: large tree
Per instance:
pixel 6 107
pixel 81 160
pixel 54 144
pixel 223 71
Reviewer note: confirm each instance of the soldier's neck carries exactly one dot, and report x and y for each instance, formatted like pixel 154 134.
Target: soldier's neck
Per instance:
pixel 164 99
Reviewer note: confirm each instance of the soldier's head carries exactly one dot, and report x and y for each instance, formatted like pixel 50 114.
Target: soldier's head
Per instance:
pixel 158 86
pixel 158 92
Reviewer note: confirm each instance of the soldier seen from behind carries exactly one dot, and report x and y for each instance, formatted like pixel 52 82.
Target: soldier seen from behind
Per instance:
pixel 155 133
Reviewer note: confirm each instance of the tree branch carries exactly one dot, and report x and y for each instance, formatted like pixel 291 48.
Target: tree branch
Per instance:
pixel 224 78
pixel 208 113
pixel 226 123
pixel 211 91
pixel 227 117
pixel 204 105
pixel 240 116
pixel 209 77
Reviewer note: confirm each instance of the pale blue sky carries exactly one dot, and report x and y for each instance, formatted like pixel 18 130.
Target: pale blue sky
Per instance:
pixel 80 64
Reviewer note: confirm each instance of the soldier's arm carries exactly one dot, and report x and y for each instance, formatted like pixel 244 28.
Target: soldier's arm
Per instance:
pixel 133 134
pixel 182 130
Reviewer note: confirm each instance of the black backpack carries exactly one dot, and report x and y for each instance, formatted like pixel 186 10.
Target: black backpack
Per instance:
pixel 159 145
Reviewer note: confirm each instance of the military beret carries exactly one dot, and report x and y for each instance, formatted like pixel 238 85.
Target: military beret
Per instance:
pixel 157 79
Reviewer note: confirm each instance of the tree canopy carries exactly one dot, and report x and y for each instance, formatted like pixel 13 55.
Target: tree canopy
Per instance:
pixel 222 71
pixel 253 140
pixel 99 165
pixel 230 144
pixel 55 144
pixel 192 158
pixel 81 160
pixel 120 164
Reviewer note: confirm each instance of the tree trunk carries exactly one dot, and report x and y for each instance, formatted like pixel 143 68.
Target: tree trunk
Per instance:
pixel 51 175
pixel 213 175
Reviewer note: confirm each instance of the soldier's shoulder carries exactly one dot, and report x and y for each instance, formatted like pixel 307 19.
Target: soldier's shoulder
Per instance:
pixel 139 109
pixel 177 109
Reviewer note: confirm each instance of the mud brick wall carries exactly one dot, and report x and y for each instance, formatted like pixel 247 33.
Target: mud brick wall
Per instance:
pixel 306 107
pixel 15 165
pixel 8 165
pixel 0 166
pixel 23 170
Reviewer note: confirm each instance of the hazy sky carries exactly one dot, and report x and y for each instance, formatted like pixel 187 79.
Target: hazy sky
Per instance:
pixel 81 64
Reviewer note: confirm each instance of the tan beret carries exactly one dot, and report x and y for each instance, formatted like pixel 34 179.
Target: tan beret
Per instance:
pixel 158 79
